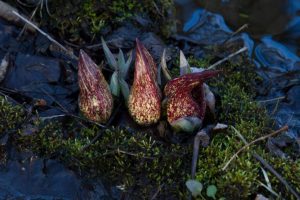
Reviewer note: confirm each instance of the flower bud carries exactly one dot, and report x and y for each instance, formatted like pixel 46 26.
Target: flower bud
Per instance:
pixel 144 102
pixel 95 99
pixel 186 101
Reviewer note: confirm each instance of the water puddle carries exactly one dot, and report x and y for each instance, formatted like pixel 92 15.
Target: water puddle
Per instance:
pixel 273 39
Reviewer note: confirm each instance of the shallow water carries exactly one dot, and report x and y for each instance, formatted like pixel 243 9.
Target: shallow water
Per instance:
pixel 273 40
pixel 273 17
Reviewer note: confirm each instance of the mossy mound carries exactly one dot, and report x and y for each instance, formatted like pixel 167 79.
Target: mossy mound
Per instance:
pixel 236 90
pixel 84 20
pixel 11 121
pixel 135 161
pixel 11 117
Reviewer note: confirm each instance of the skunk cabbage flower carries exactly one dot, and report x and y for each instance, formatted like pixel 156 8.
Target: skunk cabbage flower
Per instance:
pixel 95 99
pixel 186 101
pixel 144 102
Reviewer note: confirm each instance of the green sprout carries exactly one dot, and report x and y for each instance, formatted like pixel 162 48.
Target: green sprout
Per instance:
pixel 120 66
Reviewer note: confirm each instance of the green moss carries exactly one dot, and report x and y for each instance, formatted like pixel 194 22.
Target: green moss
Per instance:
pixel 72 18
pixel 11 117
pixel 290 170
pixel 194 62
pixel 235 87
pixel 11 120
pixel 140 163
pixel 131 160
pixel 201 63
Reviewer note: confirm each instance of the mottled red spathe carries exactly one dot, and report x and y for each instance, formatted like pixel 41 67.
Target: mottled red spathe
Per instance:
pixel 144 102
pixel 185 96
pixel 95 99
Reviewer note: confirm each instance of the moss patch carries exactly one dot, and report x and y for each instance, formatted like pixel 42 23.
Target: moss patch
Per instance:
pixel 135 161
pixel 11 117
pixel 142 164
pixel 77 20
pixel 11 120
pixel 235 88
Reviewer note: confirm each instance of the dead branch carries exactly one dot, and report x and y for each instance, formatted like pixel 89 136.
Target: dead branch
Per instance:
pixel 39 30
pixel 275 173
pixel 228 57
pixel 284 128
pixel 6 13
pixel 269 167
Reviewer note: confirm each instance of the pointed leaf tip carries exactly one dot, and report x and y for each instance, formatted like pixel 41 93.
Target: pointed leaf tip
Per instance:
pixel 111 60
pixel 164 66
pixel 114 84
pixel 184 65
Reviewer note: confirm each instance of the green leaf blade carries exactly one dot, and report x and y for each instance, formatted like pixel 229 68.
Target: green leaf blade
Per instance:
pixel 114 84
pixel 124 89
pixel 111 60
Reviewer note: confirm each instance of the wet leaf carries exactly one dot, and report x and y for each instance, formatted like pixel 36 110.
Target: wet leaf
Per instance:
pixel 195 187
pixel 211 191
pixel 186 124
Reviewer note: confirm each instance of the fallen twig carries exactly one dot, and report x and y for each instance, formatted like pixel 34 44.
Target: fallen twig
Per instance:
pixel 8 97
pixel 99 45
pixel 270 190
pixel 284 128
pixel 157 192
pixel 118 151
pixel 273 99
pixel 67 113
pixel 26 25
pixel 236 32
pixel 53 99
pixel 39 30
pixel 52 117
pixel 6 13
pixel 100 133
pixel 228 57
pixel 275 108
pixel 275 173
pixel 269 167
